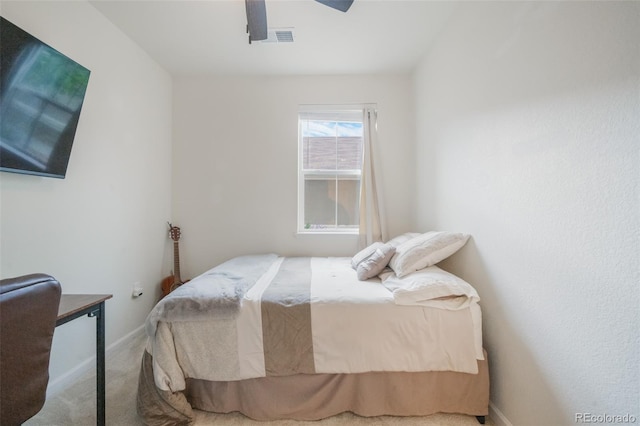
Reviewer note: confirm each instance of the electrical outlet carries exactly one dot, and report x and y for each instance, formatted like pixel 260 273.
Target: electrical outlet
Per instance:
pixel 137 289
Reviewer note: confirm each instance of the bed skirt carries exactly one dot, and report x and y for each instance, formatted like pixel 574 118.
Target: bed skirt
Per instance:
pixel 317 396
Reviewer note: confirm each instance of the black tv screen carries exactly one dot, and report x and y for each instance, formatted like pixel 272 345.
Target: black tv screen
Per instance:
pixel 41 95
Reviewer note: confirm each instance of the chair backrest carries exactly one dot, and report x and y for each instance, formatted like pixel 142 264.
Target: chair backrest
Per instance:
pixel 28 312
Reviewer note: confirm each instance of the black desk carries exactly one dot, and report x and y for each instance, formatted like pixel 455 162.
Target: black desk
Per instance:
pixel 74 306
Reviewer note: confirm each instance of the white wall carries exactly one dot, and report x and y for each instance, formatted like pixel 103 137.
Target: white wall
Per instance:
pixel 103 227
pixel 528 138
pixel 235 162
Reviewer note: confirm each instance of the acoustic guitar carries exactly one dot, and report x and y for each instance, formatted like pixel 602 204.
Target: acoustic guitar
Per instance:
pixel 173 281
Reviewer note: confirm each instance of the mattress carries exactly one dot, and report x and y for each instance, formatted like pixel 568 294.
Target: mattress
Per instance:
pixel 269 316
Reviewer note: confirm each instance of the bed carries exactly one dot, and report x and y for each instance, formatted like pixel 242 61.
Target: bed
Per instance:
pixel 306 338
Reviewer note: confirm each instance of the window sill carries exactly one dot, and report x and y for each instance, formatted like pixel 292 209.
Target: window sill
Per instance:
pixel 331 232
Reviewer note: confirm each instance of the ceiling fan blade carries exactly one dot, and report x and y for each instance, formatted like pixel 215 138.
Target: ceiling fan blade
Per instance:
pixel 341 5
pixel 256 20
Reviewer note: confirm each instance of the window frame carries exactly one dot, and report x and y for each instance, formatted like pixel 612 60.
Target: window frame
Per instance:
pixel 328 112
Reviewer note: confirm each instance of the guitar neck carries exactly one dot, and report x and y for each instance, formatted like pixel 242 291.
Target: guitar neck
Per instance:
pixel 176 263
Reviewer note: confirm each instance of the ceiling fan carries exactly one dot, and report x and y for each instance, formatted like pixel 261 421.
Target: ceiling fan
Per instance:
pixel 257 16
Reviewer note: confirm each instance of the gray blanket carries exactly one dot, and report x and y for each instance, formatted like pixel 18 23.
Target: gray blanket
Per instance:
pixel 216 294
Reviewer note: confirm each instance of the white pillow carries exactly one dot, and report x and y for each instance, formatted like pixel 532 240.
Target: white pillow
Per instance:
pixel 375 263
pixel 432 287
pixel 364 253
pixel 403 238
pixel 425 250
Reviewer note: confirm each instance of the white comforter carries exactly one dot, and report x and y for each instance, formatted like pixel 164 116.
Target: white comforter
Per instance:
pixel 356 325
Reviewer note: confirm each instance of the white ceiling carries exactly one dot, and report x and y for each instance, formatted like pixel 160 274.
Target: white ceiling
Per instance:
pixel 209 36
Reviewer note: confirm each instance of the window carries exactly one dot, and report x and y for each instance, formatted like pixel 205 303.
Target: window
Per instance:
pixel 330 145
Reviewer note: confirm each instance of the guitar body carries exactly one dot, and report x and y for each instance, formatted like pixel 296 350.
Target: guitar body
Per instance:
pixel 173 281
pixel 166 285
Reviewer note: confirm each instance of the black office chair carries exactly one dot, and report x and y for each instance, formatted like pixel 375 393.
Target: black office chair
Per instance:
pixel 28 312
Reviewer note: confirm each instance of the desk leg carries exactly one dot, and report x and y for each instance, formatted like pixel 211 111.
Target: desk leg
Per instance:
pixel 100 364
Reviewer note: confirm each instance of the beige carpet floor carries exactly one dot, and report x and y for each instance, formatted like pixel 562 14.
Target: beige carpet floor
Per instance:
pixel 76 405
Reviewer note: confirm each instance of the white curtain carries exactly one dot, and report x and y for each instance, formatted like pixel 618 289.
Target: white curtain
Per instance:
pixel 372 218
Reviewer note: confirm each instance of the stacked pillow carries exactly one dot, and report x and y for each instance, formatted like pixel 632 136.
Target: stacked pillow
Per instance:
pixel 407 253
pixel 370 261
pixel 425 250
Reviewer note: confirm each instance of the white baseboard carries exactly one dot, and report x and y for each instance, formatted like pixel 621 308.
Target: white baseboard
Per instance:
pixel 73 375
pixel 497 417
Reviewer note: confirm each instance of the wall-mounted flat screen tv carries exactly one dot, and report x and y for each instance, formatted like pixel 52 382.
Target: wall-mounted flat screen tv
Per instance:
pixel 41 95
